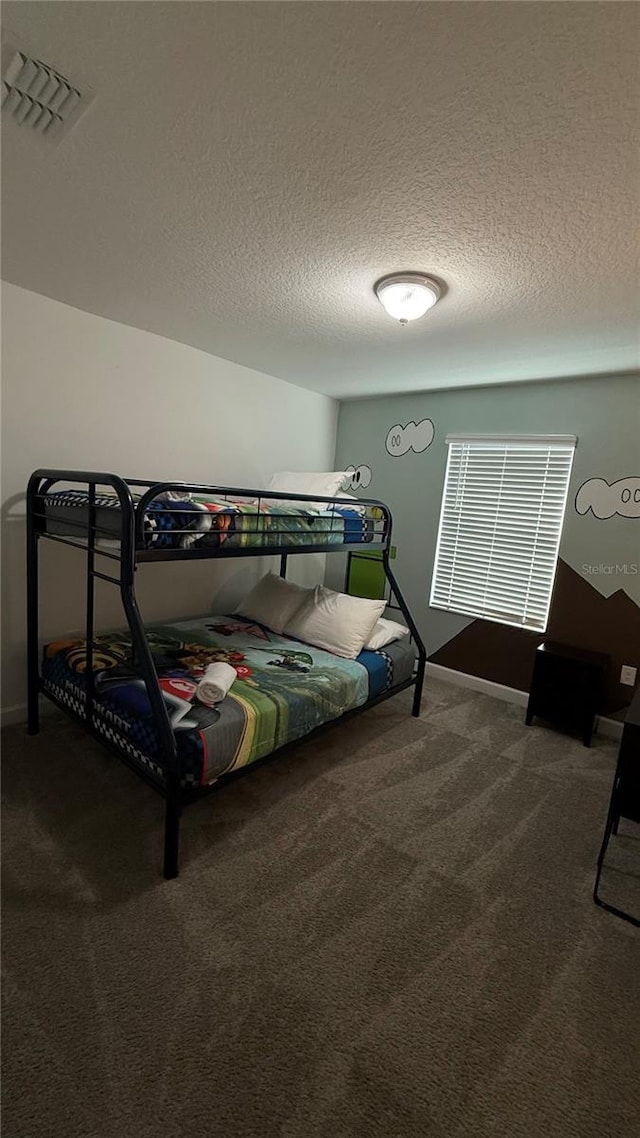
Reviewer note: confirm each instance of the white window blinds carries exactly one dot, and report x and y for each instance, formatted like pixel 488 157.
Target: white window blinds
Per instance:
pixel 502 511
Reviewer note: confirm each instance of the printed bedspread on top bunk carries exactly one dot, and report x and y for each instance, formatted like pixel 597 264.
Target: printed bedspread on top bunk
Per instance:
pixel 197 522
pixel 284 689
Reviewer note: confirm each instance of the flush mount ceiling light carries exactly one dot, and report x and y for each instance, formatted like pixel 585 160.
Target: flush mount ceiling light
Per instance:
pixel 407 296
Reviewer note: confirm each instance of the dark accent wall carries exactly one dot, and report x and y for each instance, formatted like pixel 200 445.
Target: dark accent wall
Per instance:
pixel 580 616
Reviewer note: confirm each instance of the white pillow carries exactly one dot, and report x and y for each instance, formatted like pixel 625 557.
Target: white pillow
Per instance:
pixel 273 602
pixel 327 483
pixel 335 621
pixel 352 504
pixel 384 632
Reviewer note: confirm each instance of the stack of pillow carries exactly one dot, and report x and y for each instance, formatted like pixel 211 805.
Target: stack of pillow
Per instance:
pixel 336 622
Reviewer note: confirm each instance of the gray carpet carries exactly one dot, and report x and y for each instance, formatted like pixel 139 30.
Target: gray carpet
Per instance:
pixel 385 933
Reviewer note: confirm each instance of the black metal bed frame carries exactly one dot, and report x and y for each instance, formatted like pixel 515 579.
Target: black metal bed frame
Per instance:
pixel 133 551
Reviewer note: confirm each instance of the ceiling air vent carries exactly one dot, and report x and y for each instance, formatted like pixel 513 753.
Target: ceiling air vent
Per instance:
pixel 38 96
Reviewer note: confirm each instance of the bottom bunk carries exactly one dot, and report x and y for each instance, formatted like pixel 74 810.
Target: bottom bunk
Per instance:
pixel 284 690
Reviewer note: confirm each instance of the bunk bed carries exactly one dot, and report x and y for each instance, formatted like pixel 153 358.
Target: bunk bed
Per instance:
pixel 134 690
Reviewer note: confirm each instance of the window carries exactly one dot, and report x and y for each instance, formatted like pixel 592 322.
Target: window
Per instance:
pixel 502 511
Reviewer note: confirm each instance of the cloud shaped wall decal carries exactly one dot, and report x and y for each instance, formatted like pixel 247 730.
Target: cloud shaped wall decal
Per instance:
pixel 414 436
pixel 606 499
pixel 360 477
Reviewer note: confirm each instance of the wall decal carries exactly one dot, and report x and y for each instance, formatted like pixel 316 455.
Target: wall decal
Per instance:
pixel 414 436
pixel 360 477
pixel 604 499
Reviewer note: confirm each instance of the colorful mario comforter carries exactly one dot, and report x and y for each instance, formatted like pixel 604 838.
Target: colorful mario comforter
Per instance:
pixel 189 522
pixel 284 689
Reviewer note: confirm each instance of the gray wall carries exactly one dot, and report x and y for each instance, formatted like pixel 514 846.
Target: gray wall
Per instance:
pixel 603 412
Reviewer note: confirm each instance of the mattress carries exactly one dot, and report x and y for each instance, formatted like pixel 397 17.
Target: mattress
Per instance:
pixel 284 689
pixel 208 522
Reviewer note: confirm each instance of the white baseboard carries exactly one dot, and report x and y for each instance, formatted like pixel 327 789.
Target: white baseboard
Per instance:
pixel 610 728
pixel 477 683
pixel 18 714
pixel 11 715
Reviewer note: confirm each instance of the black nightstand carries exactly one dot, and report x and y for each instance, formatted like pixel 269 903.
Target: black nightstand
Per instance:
pixel 567 687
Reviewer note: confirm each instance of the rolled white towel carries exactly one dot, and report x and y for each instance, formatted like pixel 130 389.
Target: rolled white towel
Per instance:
pixel 215 683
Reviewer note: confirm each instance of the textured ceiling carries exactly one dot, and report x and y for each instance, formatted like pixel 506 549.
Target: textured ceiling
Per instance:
pixel 247 170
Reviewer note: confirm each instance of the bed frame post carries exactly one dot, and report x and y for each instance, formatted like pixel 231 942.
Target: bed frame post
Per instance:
pixel 167 739
pixel 146 665
pixel 411 625
pixel 90 606
pixel 33 663
pixel 173 810
pixel 283 565
pixel 417 694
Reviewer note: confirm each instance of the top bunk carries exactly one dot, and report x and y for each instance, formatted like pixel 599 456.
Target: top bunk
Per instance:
pixel 143 521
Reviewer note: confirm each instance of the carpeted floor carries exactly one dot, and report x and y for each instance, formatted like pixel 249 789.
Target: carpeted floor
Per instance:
pixel 386 933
